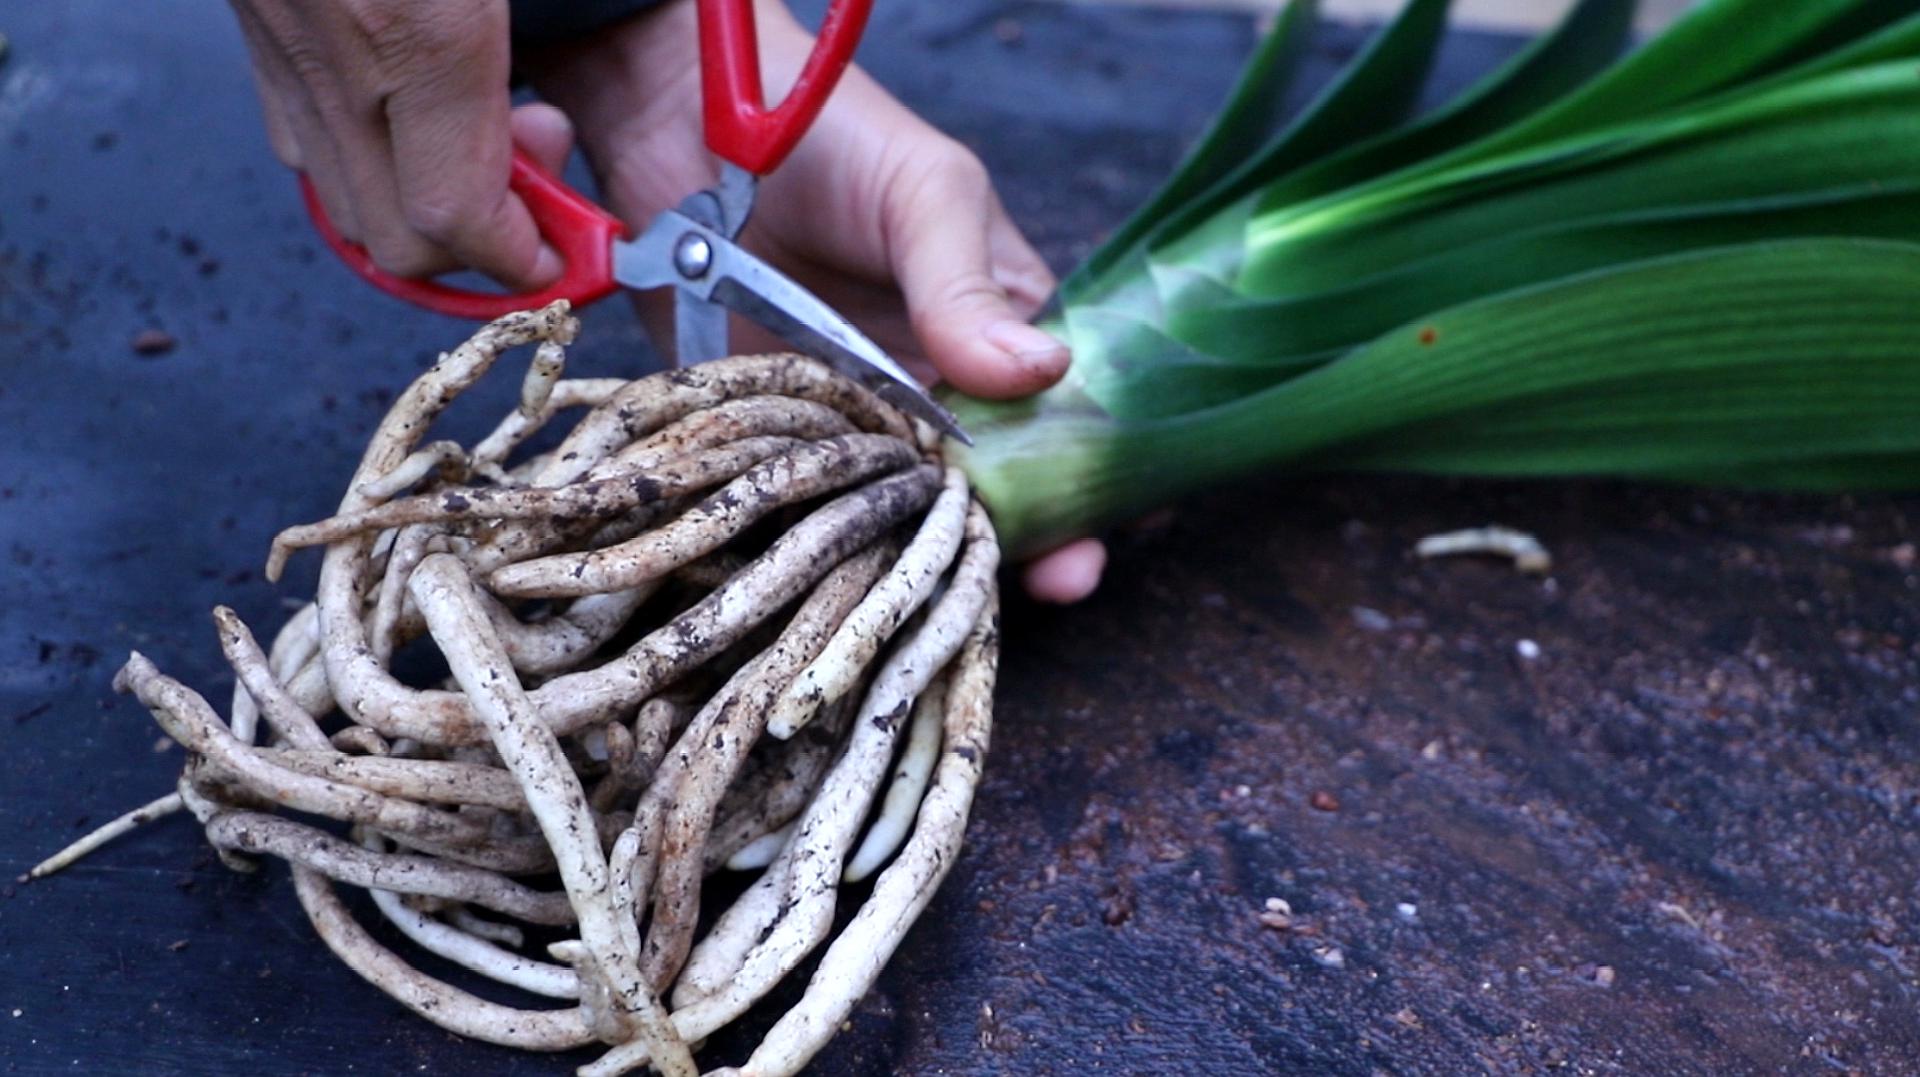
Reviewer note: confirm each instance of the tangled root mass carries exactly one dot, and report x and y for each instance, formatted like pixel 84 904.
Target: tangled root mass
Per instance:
pixel 741 618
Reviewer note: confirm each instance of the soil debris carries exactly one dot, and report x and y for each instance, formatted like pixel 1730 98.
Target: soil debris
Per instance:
pixel 152 343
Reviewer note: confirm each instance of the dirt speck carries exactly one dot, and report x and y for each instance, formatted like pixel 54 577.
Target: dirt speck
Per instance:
pixel 152 343
pixel 1330 957
pixel 1371 620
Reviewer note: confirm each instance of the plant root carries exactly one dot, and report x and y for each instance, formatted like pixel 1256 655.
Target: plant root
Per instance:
pixel 686 640
pixel 1525 551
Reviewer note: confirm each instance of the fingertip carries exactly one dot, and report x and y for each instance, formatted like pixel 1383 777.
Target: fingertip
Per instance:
pixel 1003 359
pixel 1066 575
pixel 547 267
pixel 545 133
pixel 1033 357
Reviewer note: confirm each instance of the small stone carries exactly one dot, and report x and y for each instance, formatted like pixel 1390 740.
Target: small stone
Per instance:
pixel 177 945
pixel 1527 649
pixel 1277 915
pixel 1835 536
pixel 1603 976
pixel 1433 751
pixel 1903 555
pixel 1406 1018
pixel 1330 957
pixel 17 1011
pixel 152 342
pixel 1371 620
pixel 1243 791
pixel 1407 911
pixel 1321 800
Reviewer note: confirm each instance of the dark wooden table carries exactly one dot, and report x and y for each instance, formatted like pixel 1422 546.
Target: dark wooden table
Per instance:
pixel 1682 839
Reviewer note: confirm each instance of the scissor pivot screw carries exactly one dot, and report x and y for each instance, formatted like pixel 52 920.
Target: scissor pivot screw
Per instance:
pixel 692 256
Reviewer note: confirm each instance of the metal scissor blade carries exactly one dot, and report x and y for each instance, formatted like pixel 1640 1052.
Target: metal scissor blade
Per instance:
pixel 769 297
pixel 721 272
pixel 699 329
pixel 653 260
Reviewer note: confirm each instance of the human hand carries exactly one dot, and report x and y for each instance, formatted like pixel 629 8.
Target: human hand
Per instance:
pixel 398 112
pixel 890 221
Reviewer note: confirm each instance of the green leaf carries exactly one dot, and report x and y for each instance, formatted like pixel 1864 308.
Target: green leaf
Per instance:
pixel 1175 379
pixel 1847 129
pixel 1281 331
pixel 1897 41
pixel 1716 46
pixel 1591 35
pixel 1779 360
pixel 1701 265
pixel 1252 115
pixel 1721 48
pixel 1863 471
pixel 1374 93
pixel 1790 363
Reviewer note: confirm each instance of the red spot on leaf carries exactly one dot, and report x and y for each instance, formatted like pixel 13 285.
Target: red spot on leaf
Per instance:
pixel 1429 336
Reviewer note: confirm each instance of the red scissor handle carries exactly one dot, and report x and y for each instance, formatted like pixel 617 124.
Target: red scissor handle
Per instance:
pixel 581 232
pixel 740 127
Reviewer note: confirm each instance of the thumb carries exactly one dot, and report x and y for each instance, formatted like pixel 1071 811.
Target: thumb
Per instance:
pixel 956 256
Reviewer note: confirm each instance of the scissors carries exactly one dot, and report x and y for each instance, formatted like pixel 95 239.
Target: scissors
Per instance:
pixel 692 248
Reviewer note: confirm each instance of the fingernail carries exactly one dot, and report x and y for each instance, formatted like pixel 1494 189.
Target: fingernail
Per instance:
pixel 548 267
pixel 1034 348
